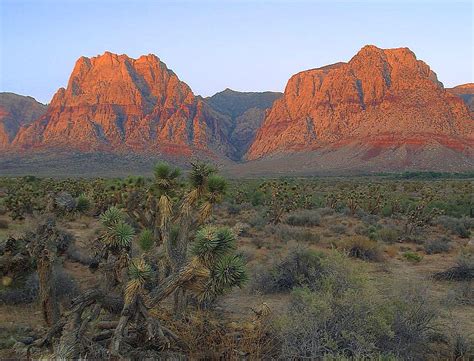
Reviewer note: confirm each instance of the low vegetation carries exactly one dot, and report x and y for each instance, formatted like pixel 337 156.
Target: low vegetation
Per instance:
pixel 194 266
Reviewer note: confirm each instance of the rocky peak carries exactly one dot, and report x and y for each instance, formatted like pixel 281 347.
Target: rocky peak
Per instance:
pixel 379 91
pixel 114 102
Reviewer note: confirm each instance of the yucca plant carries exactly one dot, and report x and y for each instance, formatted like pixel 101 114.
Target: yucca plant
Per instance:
pixel 119 235
pixel 229 272
pixel 112 216
pixel 139 272
pixel 214 248
pixel 211 243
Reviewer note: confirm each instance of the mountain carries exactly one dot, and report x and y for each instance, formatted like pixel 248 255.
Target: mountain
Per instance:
pixel 384 106
pixel 466 92
pixel 246 111
pixel 384 110
pixel 114 103
pixel 16 111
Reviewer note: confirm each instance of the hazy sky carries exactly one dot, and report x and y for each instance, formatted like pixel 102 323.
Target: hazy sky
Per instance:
pixel 213 45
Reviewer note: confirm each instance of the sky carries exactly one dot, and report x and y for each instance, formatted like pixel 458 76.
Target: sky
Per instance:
pixel 213 45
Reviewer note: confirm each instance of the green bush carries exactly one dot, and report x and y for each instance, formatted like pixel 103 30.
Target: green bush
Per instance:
pixel 83 204
pixel 412 256
pixel 146 240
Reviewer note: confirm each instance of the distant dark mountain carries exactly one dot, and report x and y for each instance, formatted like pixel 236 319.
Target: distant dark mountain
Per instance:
pixel 246 111
pixel 16 111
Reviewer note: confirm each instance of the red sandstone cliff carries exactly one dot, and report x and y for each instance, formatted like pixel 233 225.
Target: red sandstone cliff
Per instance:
pixel 383 97
pixel 113 102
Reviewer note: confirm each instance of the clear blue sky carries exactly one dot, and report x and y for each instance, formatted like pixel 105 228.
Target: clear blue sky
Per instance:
pixel 212 45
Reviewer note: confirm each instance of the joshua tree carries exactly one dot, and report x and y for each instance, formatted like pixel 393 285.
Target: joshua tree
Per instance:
pixel 201 261
pixel 172 211
pixel 44 246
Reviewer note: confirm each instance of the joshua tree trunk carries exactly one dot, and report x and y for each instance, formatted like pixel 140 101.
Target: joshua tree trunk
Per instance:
pixel 47 291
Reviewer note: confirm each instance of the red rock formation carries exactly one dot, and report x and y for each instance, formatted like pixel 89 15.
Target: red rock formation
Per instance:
pixel 15 112
pixel 383 97
pixel 466 92
pixel 113 103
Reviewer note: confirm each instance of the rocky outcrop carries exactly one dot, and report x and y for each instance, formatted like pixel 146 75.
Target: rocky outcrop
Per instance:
pixel 382 97
pixel 246 111
pixel 466 92
pixel 114 103
pixel 16 111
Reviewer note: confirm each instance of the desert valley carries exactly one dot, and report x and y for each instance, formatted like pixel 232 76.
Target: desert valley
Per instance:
pixel 327 213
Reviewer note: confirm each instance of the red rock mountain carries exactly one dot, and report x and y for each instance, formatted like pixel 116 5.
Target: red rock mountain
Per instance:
pixel 382 98
pixel 16 111
pixel 116 103
pixel 466 92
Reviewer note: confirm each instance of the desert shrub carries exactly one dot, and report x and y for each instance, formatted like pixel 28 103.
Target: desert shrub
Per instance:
pixel 83 204
pixel 387 235
pixel 317 325
pixel 413 320
pixel 460 345
pixel 457 226
pixel 286 233
pixel 361 230
pixel 461 293
pixel 257 198
pixel 326 211
pixel 305 268
pixel 338 228
pixel 440 245
pixel 367 218
pixel 358 323
pixel 363 248
pixel 463 270
pixel 457 206
pixel 234 209
pixel 258 221
pixel 412 256
pixel 3 224
pixel 387 210
pixel 306 218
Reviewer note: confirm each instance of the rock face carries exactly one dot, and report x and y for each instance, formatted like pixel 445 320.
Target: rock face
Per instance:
pixel 246 111
pixel 116 103
pixel 16 111
pixel 466 92
pixel 382 98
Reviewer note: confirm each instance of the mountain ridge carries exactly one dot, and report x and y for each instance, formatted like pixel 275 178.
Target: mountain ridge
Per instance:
pixel 383 106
